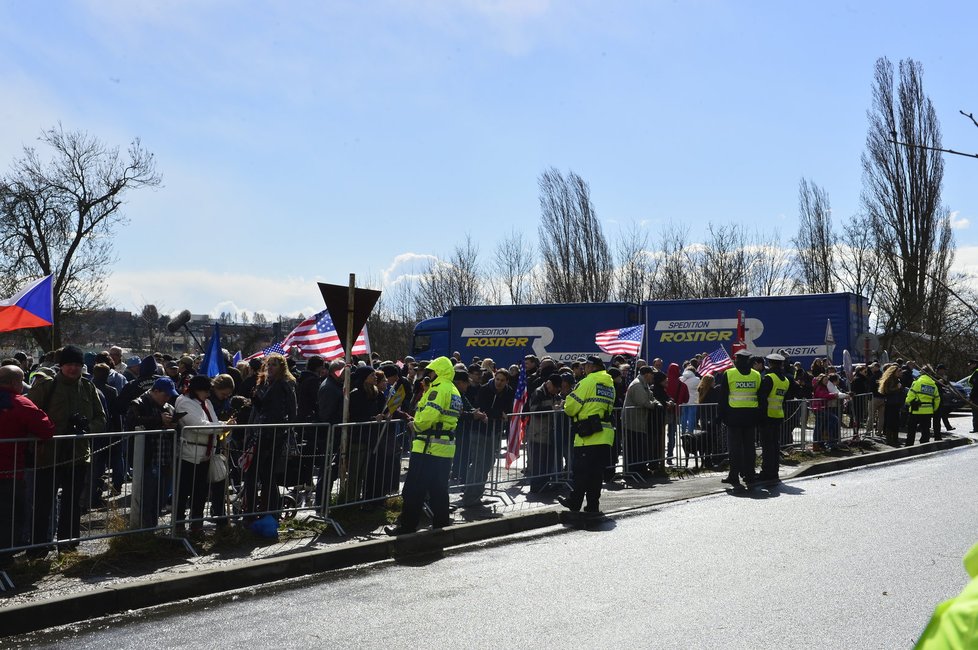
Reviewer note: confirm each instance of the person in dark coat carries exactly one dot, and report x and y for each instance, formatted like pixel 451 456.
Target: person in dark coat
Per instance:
pixel 365 411
pixel 307 389
pixel 326 449
pixel 494 401
pixel 273 402
pixel 659 420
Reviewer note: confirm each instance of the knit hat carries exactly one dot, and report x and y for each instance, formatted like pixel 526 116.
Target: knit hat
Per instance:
pixel 147 367
pixel 71 354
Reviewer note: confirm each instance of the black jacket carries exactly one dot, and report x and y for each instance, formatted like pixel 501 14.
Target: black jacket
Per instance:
pixel 495 403
pixel 330 399
pixel 274 403
pixel 307 396
pixel 146 413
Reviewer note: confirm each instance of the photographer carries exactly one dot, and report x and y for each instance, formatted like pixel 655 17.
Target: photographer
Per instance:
pixel 152 411
pixel 73 405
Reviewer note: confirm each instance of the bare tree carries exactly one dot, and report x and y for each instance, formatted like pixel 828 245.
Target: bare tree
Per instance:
pixel 514 263
pixel 153 323
pixel 770 263
pixel 635 266
pixel 57 217
pixel 576 260
pixel 675 268
pixel 723 264
pixel 815 239
pixel 902 198
pixel 858 262
pixel 449 284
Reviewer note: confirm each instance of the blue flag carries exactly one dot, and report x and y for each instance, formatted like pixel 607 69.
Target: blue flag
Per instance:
pixel 212 364
pixel 237 358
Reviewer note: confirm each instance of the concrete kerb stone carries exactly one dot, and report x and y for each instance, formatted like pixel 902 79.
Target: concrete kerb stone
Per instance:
pixel 21 619
pixel 74 608
pixel 873 458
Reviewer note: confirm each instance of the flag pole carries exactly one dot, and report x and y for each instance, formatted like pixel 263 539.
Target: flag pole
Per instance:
pixel 344 442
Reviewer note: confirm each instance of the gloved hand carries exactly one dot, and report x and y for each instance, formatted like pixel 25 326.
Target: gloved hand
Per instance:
pixel 915 404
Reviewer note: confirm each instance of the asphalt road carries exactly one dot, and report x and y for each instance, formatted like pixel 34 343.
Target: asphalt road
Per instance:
pixel 854 560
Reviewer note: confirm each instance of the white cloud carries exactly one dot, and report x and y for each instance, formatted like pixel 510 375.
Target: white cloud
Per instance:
pixel 407 265
pixel 958 222
pixel 966 260
pixel 210 292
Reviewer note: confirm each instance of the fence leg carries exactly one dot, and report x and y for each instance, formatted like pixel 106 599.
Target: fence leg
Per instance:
pixel 804 424
pixel 136 496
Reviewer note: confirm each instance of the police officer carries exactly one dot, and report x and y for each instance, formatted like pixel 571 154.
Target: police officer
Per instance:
pixel 923 400
pixel 589 406
pixel 740 411
pixel 774 390
pixel 432 450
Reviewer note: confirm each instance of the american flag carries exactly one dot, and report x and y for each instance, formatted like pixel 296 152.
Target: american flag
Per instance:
pixel 268 349
pixel 627 340
pixel 317 335
pixel 716 361
pixel 517 424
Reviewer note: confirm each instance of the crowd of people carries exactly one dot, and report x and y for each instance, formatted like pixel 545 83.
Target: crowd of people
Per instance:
pixel 630 411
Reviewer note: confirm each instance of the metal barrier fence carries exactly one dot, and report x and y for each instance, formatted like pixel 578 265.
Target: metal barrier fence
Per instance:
pixel 52 494
pixel 54 499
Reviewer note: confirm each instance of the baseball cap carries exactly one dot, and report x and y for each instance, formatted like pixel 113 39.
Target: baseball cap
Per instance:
pixel 165 384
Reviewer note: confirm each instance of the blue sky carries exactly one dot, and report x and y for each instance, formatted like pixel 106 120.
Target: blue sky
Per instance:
pixel 308 140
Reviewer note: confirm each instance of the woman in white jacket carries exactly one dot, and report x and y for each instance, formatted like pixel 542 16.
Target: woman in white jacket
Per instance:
pixel 196 447
pixel 692 381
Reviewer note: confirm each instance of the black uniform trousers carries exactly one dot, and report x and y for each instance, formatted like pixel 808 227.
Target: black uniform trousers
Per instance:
pixel 742 455
pixel 771 448
pixel 427 476
pixel 589 464
pixel 918 422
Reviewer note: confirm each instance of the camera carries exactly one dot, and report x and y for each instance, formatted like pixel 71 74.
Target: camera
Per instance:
pixel 78 425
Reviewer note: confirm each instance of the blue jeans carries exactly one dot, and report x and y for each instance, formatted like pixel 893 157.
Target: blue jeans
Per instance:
pixel 826 427
pixel 688 417
pixel 672 423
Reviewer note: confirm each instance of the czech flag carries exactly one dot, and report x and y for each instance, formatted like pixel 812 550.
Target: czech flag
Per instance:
pixel 32 307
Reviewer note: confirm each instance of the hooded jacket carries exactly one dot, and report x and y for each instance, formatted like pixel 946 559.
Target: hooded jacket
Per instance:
pixel 677 390
pixel 438 412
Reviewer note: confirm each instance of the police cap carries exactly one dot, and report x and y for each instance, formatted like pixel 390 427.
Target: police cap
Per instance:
pixel 595 360
pixel 743 354
pixel 774 356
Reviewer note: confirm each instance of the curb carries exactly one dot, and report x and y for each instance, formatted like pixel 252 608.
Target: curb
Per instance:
pixel 873 458
pixel 75 608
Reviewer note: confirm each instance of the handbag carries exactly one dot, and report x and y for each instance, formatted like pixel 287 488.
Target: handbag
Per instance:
pixel 217 468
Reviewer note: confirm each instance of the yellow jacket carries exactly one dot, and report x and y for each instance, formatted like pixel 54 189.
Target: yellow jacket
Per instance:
pixel 437 414
pixel 594 395
pixel 955 621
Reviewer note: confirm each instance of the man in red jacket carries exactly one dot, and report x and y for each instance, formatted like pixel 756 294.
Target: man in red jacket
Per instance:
pixel 19 419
